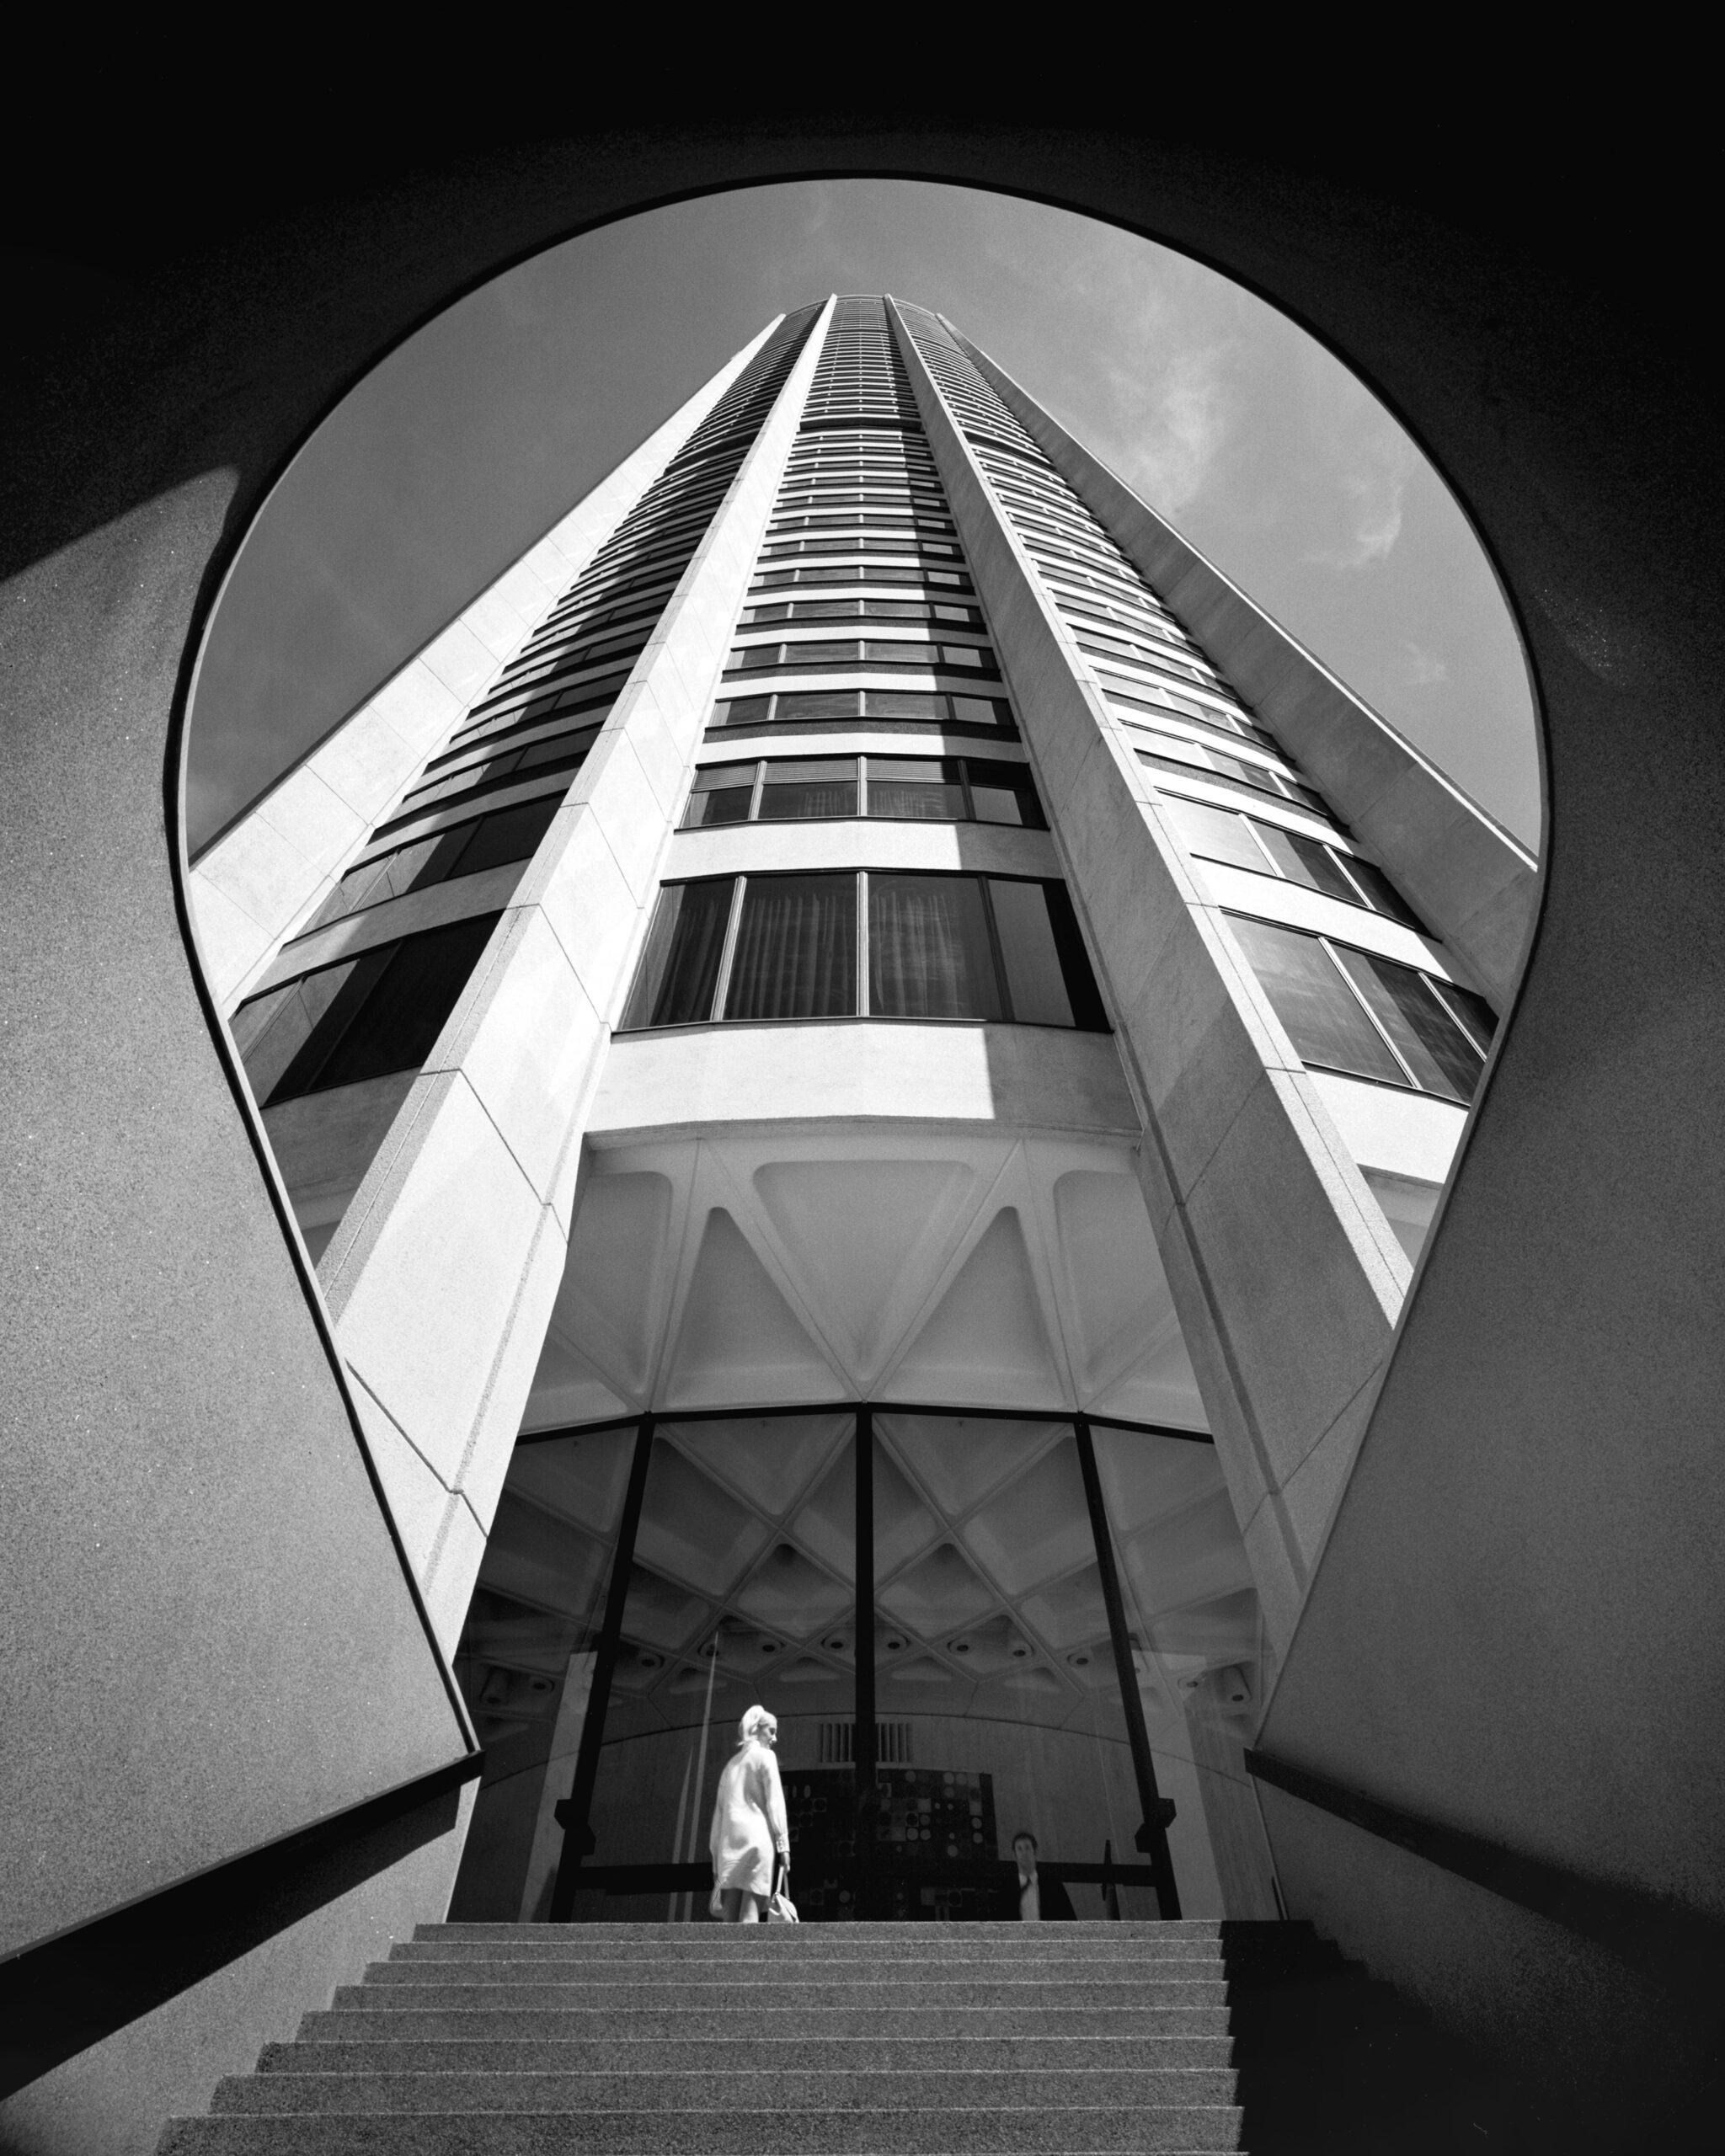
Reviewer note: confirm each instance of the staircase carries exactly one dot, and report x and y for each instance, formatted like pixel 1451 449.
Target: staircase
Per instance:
pixel 907 2040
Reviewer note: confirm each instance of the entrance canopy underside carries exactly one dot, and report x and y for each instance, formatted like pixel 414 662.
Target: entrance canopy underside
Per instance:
pixel 964 1267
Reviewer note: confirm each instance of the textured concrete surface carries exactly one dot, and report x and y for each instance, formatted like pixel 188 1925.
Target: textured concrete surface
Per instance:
pixel 1030 1077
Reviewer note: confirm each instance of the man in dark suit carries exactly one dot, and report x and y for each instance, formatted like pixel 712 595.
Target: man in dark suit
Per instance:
pixel 1041 1900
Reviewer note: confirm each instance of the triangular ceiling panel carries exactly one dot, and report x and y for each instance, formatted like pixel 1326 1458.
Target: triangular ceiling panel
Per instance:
pixel 739 1340
pixel 806 1670
pixel 1219 1631
pixel 958 1459
pixel 903 1523
pixel 1146 1478
pixel 1036 1528
pixel 534 1558
pixel 940 1593
pixel 608 1304
pixel 864 1235
pixel 1160 1389
pixel 1197 1555
pixel 1117 1292
pixel 827 1521
pixel 921 1669
pixel 579 1479
pixel 1071 1613
pixel 986 1341
pixel 660 1612
pixel 693 1531
pixel 771 1463
pixel 568 1388
pixel 791 1595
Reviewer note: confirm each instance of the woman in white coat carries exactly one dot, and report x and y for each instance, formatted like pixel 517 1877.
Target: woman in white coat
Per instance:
pixel 748 1824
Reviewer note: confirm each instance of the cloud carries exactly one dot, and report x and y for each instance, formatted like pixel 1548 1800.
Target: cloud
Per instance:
pixel 1420 669
pixel 1179 426
pixel 1373 477
pixel 1163 346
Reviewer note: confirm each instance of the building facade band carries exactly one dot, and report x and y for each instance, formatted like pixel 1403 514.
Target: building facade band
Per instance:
pixel 864 1118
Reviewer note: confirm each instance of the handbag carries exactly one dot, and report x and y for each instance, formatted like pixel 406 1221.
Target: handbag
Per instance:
pixel 780 1907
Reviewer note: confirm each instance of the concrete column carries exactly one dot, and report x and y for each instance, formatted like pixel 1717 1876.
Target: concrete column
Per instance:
pixel 441 1276
pixel 1476 885
pixel 273 868
pixel 1287 1277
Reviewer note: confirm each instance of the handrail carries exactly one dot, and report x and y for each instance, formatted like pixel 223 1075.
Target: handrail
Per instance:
pixel 1654 1932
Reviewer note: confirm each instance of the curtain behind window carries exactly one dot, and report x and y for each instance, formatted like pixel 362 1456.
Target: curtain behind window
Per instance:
pixel 929 955
pixel 796 954
pixel 680 967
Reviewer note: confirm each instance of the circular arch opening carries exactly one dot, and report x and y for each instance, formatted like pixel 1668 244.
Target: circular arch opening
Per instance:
pixel 439 470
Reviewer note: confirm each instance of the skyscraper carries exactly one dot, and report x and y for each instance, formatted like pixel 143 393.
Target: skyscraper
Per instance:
pixel 864 1049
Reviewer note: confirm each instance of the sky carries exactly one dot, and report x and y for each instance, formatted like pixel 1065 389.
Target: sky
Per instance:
pixel 486 427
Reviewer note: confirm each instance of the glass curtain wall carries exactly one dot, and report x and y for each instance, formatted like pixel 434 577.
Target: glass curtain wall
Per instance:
pixel 971 1692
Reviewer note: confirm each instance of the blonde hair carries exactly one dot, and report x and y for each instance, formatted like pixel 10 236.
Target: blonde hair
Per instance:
pixel 751 1722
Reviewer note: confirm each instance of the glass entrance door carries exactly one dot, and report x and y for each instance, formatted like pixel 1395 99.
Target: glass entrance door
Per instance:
pixel 956 1639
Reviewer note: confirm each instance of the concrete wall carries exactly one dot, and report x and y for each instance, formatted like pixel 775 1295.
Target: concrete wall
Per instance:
pixel 441 1275
pixel 274 867
pixel 1476 885
pixel 665 1084
pixel 1286 1274
pixel 212 1641
pixel 111 2099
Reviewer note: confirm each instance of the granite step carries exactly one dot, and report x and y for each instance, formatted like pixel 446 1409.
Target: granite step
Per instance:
pixel 860 2040
pixel 403 2012
pixel 714 2090
pixel 889 1935
pixel 505 1985
pixel 356 2046
pixel 804 1945
pixel 1039 2131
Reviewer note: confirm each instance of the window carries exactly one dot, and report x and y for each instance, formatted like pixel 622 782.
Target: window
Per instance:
pixel 819 785
pixel 680 965
pixel 1266 849
pixel 934 789
pixel 796 949
pixel 929 954
pixel 928 788
pixel 365 1017
pixel 1351 1010
pixel 974 949
pixel 1186 757
pixel 926 707
pixel 464 850
pixel 861 572
pixel 1143 713
pixel 950 612
pixel 812 653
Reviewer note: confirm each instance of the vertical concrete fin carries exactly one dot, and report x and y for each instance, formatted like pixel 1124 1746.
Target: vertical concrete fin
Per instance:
pixel 251 889
pixel 1284 1271
pixel 1475 883
pixel 444 1272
